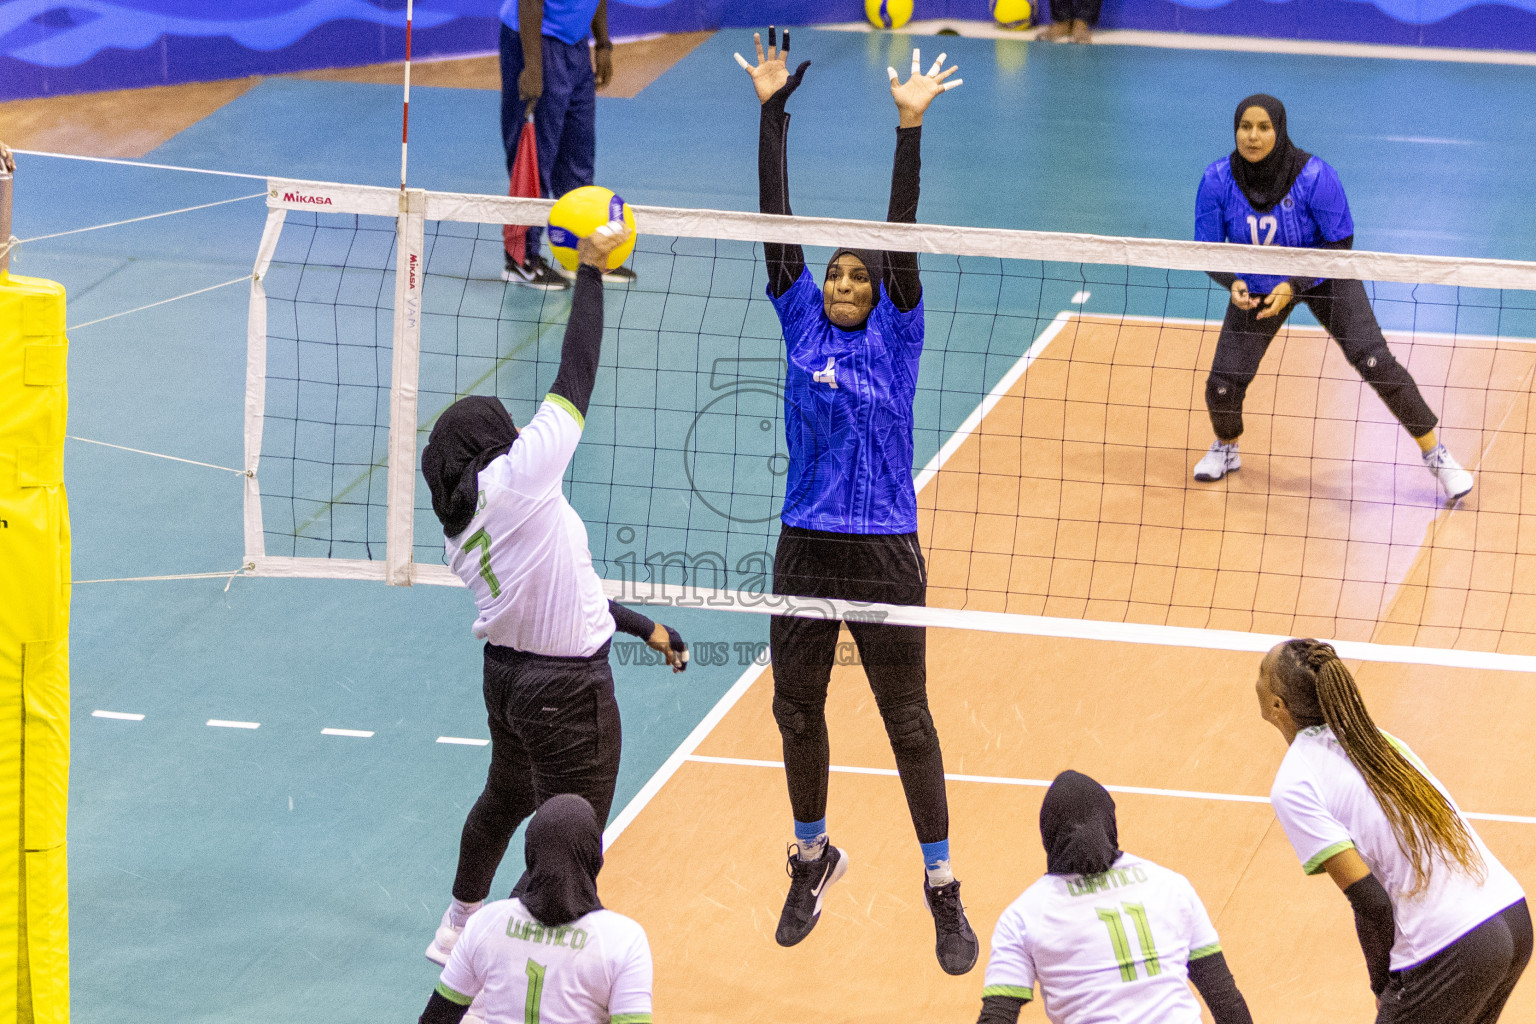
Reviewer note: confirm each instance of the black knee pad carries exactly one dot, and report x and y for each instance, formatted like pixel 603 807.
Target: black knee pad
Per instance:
pixel 910 728
pixel 1223 395
pixel 794 719
pixel 1377 363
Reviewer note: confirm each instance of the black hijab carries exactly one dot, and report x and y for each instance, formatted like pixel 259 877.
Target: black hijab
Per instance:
pixel 564 850
pixel 1077 825
pixel 466 437
pixel 874 262
pixel 1265 183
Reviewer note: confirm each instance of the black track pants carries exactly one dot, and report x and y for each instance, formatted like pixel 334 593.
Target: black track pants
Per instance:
pixel 1468 981
pixel 887 568
pixel 554 729
pixel 1344 311
pixel 1076 10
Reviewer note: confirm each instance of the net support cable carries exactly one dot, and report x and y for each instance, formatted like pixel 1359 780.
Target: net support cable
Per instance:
pixel 410 209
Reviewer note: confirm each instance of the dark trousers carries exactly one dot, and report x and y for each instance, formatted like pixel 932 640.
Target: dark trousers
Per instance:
pixel 1467 982
pixel 564 118
pixel 1344 310
pixel 1075 10
pixel 554 729
pixel 887 568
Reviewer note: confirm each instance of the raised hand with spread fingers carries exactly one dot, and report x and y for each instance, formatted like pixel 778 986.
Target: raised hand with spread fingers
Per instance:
pixel 771 75
pixel 913 96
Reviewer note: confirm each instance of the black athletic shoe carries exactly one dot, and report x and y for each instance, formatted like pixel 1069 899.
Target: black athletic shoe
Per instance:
pixel 533 274
pixel 808 882
pixel 955 943
pixel 618 275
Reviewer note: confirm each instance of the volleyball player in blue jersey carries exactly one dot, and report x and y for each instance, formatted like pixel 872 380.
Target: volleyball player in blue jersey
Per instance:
pixel 1269 192
pixel 850 510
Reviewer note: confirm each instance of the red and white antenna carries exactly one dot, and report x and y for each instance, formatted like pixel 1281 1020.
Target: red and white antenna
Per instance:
pixel 405 106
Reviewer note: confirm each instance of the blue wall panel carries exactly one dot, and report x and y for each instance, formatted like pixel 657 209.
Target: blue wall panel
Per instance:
pixel 50 47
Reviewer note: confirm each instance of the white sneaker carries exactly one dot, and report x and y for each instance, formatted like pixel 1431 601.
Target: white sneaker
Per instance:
pixel 1454 481
pixel 1218 462
pixel 445 939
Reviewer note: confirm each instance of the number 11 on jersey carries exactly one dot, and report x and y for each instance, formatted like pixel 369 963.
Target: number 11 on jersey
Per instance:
pixel 1121 943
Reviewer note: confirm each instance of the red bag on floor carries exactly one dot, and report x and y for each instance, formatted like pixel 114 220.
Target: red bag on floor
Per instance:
pixel 524 184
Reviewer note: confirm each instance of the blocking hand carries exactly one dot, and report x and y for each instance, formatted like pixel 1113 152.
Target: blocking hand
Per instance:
pixel 913 96
pixel 772 71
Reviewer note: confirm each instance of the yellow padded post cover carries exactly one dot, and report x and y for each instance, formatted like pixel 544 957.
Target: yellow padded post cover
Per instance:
pixel 34 654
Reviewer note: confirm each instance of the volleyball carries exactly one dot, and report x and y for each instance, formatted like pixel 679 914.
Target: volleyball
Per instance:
pixel 582 211
pixel 888 13
pixel 1012 13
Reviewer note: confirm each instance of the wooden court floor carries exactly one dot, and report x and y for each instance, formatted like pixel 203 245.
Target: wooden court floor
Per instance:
pixel 1072 497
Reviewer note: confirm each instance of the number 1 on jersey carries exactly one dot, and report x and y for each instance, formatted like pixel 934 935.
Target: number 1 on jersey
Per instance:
pixel 535 972
pixel 1122 945
pixel 482 540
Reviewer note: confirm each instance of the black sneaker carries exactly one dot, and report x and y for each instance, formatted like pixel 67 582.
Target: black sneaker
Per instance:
pixel 533 274
pixel 618 275
pixel 808 882
pixel 955 943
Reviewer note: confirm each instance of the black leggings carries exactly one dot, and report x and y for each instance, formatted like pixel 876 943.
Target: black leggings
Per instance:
pixel 554 729
pixel 1345 313
pixel 1076 10
pixel 1468 981
pixel 888 568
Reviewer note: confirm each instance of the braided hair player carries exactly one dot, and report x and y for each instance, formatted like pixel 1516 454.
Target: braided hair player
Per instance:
pixel 1443 925
pixel 1269 192
pixel 849 531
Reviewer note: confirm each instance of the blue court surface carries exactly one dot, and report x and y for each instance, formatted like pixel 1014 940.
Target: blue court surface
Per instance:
pixel 281 874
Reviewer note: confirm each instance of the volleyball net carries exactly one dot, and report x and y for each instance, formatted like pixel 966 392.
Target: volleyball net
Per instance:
pixel 1059 412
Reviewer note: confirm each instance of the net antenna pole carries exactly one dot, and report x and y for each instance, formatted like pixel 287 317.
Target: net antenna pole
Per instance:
pixel 405 103
pixel 405 365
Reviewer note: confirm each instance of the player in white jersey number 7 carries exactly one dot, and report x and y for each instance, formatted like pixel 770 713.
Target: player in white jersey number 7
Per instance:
pixel 1108 936
pixel 521 549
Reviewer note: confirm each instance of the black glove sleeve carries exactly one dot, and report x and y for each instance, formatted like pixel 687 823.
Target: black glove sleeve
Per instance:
pixel 1213 980
pixel 1000 1010
pixel 902 283
pixel 583 340
pixel 785 262
pixel 1375 926
pixel 630 621
pixel 442 1011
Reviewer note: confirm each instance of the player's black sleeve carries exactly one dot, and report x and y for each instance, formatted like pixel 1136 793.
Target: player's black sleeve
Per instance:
pixel 1213 980
pixel 902 283
pixel 1375 927
pixel 785 262
pixel 442 1011
pixel 583 340
pixel 1000 1010
pixel 630 621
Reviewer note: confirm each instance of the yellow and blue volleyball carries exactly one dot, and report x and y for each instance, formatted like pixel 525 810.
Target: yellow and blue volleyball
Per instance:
pixel 888 13
pixel 582 211
pixel 1012 13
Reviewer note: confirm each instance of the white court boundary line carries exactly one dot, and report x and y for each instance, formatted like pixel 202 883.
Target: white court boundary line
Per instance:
pixel 1003 780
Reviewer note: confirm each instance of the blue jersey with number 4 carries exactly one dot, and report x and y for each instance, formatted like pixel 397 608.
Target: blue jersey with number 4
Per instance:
pixel 1314 211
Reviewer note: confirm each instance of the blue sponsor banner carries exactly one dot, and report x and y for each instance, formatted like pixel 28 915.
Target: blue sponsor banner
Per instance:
pixel 49 47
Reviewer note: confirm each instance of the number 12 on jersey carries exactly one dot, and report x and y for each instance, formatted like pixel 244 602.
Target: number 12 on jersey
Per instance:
pixel 1265 224
pixel 1121 943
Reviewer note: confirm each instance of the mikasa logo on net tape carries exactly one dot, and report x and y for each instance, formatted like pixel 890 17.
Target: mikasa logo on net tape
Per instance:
pixel 301 197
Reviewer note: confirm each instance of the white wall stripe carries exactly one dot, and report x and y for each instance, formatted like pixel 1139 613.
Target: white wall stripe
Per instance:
pixel 361 734
pixel 224 723
pixel 124 716
pixel 463 741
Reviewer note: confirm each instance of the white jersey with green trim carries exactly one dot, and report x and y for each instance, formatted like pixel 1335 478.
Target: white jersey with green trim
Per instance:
pixel 524 556
pixel 595 970
pixel 1112 948
pixel 1325 807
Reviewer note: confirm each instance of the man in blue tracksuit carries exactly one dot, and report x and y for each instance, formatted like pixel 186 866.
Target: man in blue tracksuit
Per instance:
pixel 545 61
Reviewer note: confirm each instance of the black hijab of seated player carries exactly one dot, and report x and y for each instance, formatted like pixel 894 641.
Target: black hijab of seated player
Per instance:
pixel 467 436
pixel 564 850
pixel 1077 825
pixel 1265 182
